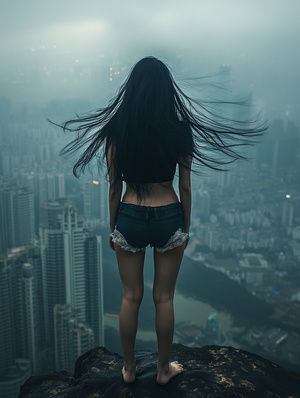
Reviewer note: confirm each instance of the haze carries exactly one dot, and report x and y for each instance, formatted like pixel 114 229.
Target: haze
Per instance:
pixel 239 283
pixel 259 39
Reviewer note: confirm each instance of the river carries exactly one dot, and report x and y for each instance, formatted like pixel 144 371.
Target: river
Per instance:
pixel 186 310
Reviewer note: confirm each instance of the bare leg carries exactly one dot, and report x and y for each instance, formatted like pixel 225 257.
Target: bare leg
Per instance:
pixel 131 273
pixel 166 270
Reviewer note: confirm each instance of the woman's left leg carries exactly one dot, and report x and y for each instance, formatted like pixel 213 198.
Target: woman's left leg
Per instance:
pixel 131 266
pixel 167 266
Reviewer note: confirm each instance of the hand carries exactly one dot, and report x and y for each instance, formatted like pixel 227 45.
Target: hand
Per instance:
pixel 111 243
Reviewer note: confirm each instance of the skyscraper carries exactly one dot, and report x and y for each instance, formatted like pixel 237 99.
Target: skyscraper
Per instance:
pixel 61 240
pixel 52 256
pixel 72 268
pixel 72 337
pixel 19 324
pixel 95 201
pixel 16 216
pixel 32 329
pixel 94 286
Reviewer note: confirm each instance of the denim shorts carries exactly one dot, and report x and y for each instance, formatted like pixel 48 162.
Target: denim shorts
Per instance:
pixel 160 227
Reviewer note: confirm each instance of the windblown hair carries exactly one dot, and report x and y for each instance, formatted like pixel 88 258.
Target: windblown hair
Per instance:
pixel 151 114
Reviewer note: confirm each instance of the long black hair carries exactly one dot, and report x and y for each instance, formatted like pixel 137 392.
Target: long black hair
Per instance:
pixel 152 114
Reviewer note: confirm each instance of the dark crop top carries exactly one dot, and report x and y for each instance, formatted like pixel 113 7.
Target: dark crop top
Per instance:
pixel 155 170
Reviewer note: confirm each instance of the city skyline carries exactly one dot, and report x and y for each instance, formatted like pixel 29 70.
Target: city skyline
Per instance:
pixel 59 287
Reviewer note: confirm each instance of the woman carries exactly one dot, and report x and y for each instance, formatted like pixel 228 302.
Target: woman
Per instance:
pixel 149 129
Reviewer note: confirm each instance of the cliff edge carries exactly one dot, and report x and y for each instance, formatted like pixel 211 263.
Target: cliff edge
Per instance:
pixel 210 371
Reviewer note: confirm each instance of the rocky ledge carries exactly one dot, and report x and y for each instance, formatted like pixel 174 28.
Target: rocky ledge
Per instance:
pixel 210 371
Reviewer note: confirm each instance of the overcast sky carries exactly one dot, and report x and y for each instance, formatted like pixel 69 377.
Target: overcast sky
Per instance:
pixel 258 38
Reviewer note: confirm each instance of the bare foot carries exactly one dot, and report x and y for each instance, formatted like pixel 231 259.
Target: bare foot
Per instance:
pixel 175 369
pixel 128 375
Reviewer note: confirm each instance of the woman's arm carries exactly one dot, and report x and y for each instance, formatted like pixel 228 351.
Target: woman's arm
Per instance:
pixel 115 193
pixel 185 193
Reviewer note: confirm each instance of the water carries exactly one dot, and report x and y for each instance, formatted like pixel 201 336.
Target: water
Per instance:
pixel 186 310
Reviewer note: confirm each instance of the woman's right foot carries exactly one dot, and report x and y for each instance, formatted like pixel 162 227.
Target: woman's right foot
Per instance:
pixel 163 377
pixel 129 375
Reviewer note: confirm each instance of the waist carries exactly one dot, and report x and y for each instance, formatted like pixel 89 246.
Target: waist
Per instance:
pixel 150 212
pixel 158 194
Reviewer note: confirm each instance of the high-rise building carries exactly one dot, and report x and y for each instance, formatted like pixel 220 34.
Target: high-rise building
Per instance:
pixel 94 286
pixel 72 267
pixel 74 261
pixel 62 251
pixel 280 147
pixel 16 216
pixel 202 204
pixel 10 311
pixel 31 313
pixel 95 202
pixel 53 266
pixel 72 337
pixel 20 315
pixel 14 377
pixel 288 213
pixel 45 186
pixel 91 201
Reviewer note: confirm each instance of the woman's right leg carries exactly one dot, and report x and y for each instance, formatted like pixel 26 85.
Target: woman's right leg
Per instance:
pixel 167 266
pixel 131 267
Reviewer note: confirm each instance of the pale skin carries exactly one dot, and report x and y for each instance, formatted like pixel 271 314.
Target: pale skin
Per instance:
pixel 166 268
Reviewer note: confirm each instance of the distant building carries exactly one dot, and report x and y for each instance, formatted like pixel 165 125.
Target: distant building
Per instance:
pixel 72 338
pixel 16 216
pixel 95 202
pixel 202 204
pixel 45 186
pixel 21 318
pixel 15 376
pixel 61 240
pixel 72 268
pixel 32 322
pixel 280 147
pixel 94 286
pixel 287 213
pixel 253 268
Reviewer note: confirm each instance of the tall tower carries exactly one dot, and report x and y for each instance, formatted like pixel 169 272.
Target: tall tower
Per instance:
pixel 94 286
pixel 10 293
pixel 52 256
pixel 6 221
pixel 23 216
pixel 31 314
pixel 19 315
pixel 16 216
pixel 91 201
pixel 62 250
pixel 203 204
pixel 74 261
pixel 95 202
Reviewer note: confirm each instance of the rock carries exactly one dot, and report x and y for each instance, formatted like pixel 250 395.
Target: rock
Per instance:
pixel 210 371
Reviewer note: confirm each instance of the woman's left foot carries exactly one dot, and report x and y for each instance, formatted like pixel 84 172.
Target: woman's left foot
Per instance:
pixel 175 368
pixel 129 375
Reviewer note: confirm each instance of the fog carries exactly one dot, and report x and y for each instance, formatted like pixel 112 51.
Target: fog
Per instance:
pixel 258 39
pixel 239 280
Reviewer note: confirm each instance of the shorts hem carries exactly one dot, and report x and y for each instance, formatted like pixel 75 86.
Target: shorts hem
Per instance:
pixel 119 239
pixel 176 240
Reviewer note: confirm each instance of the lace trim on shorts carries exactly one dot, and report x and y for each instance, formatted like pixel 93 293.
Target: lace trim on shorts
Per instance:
pixel 176 240
pixel 119 239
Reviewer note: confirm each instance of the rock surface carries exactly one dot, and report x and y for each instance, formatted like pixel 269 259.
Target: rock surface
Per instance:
pixel 210 371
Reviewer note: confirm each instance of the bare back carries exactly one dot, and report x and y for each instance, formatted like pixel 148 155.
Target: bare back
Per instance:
pixel 160 194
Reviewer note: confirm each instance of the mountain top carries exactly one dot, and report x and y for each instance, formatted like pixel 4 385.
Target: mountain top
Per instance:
pixel 210 371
